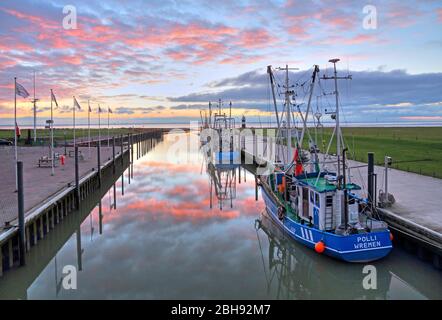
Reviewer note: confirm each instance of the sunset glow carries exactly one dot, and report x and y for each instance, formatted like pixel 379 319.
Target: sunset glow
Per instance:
pixel 163 61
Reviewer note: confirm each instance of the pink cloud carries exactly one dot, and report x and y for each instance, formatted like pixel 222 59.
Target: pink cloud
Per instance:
pixel 256 38
pixel 75 60
pixel 403 16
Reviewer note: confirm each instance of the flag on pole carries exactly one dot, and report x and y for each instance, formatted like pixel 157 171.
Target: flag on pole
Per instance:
pixel 54 99
pixel 90 109
pixel 99 109
pixel 76 104
pixel 109 110
pixel 17 130
pixel 21 91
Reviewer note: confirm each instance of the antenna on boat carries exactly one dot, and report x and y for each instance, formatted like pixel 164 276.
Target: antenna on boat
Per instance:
pixel 339 139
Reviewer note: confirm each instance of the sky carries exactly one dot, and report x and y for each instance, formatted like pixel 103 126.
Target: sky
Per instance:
pixel 163 61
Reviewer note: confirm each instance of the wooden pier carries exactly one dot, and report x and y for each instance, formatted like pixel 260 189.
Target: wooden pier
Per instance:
pixel 49 200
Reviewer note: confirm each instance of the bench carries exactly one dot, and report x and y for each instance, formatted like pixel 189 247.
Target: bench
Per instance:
pixel 45 162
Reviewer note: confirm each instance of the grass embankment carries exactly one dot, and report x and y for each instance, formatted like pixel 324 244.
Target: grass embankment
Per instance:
pixel 43 135
pixel 412 149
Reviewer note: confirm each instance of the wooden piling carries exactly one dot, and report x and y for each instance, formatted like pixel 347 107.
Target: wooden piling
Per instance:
pixel 256 188
pixel 113 155
pixel 79 253
pixel 77 180
pixel 122 150
pixel 28 242
pixel 34 233
pixel 132 157
pixel 41 231
pixel 99 165
pixel 21 213
pixel 100 217
pixel 122 184
pixel 115 196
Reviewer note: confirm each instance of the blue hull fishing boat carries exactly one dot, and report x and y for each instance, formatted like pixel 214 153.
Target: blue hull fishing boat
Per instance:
pixel 313 203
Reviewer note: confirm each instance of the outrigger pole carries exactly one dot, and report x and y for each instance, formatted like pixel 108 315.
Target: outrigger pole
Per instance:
pixel 272 85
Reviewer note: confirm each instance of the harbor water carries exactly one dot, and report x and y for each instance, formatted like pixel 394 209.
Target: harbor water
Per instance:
pixel 164 241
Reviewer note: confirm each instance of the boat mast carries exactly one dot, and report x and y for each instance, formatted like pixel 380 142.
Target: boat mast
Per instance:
pixel 288 115
pixel 338 127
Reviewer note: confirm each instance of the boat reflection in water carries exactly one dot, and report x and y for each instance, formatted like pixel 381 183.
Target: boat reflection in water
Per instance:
pixel 222 178
pixel 293 271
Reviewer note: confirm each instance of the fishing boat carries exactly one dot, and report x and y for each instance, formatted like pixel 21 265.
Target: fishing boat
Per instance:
pixel 311 199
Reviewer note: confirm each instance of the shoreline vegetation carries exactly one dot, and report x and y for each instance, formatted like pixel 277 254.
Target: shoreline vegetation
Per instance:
pixel 413 149
pixel 60 134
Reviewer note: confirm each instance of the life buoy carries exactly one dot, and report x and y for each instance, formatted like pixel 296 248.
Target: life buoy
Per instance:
pixel 280 213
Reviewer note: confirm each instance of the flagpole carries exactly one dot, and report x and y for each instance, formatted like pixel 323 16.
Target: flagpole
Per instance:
pixel 35 114
pixel 99 132
pixel 52 136
pixel 74 120
pixel 15 130
pixel 89 126
pixel 108 127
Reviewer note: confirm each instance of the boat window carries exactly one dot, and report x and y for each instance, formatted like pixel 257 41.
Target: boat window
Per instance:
pixel 317 200
pixel 312 197
pixel 329 201
pixel 305 203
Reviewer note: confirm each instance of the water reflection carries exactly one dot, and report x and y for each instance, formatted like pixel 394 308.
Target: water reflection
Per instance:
pixel 293 271
pixel 163 241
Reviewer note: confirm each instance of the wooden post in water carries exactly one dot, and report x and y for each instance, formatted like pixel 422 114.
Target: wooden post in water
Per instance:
pixel 256 188
pixel 79 250
pixel 239 175
pixel 99 164
pixel 115 196
pixel 122 150
pixel 77 180
pixel 21 214
pixel 130 155
pixel 122 183
pixel 100 218
pixel 113 154
pixel 138 146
